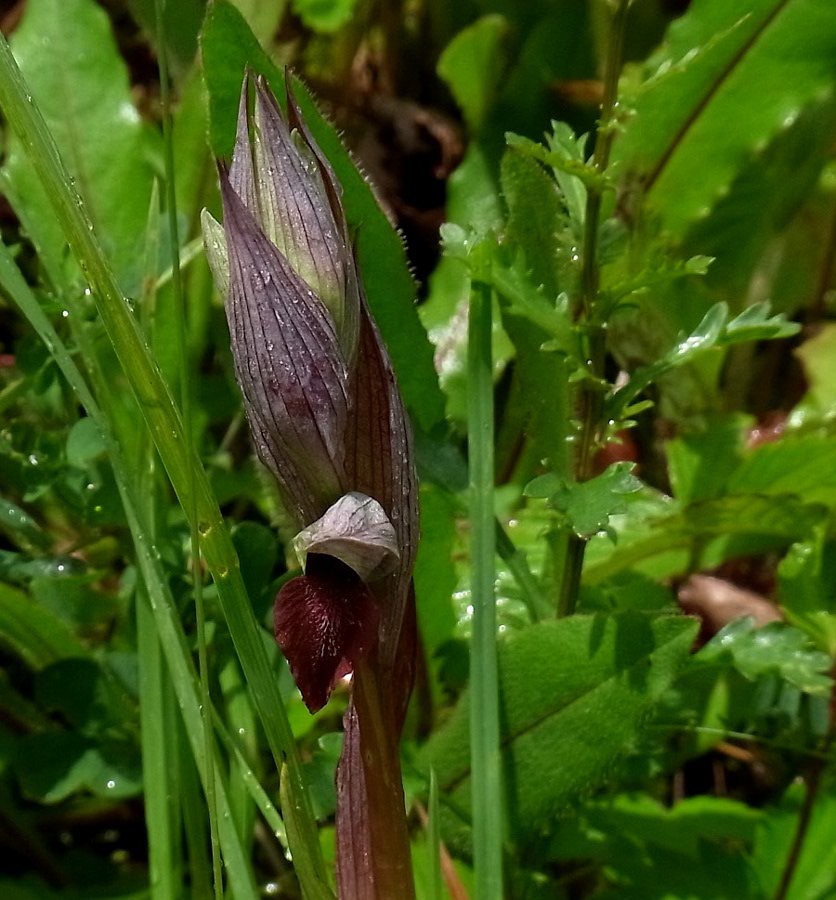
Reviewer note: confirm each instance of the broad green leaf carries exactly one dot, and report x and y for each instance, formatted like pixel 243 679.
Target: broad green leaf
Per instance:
pixel 85 697
pixel 662 545
pixel 180 26
pixel 725 82
pixel 228 47
pixel 627 591
pixel 815 873
pixel 435 577
pixel 560 683
pixel 324 16
pixel 74 599
pixel 535 313
pixel 718 873
pixel 769 190
pixel 775 647
pixel 699 465
pixel 803 466
pixel 818 357
pixel 84 443
pixel 69 58
pixel 18 523
pixel 588 505
pixel 258 553
pixel 536 215
pixel 807 589
pixel 472 65
pixel 633 821
pixel 34 634
pixel 52 766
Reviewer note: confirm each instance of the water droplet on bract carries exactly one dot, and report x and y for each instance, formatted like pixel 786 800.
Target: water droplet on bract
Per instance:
pixel 111 784
pixel 33 460
pixel 65 314
pixel 223 571
pixel 88 292
pixel 242 731
pixel 204 528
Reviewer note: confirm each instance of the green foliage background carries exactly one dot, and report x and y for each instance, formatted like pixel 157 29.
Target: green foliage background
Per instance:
pixel 638 759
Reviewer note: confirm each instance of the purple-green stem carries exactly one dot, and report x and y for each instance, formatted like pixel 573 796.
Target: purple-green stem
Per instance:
pixel 388 834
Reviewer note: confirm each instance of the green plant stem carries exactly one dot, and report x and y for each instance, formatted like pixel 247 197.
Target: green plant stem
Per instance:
pixel 532 595
pixel 166 427
pixel 812 785
pixel 591 399
pixel 185 406
pixel 484 680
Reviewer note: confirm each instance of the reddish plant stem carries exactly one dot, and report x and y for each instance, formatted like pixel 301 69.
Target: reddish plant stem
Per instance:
pixel 374 860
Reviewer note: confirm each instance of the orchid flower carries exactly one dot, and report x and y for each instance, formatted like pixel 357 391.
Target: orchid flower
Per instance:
pixel 328 422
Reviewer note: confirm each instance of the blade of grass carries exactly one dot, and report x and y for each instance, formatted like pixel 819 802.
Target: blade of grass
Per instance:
pixel 484 681
pixel 434 840
pixel 185 407
pixel 241 719
pixel 260 797
pixel 161 800
pixel 531 592
pixel 178 458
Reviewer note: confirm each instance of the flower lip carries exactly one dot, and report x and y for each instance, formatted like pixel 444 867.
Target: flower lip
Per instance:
pixel 325 622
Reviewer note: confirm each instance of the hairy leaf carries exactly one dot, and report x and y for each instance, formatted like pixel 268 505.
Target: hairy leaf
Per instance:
pixel 69 57
pixel 574 696
pixel 726 81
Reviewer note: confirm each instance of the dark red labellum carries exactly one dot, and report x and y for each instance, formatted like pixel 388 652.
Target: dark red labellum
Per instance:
pixel 325 621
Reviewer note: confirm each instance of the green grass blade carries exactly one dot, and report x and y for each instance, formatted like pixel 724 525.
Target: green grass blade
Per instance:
pixel 158 718
pixel 185 406
pixel 484 720
pixel 166 427
pixel 161 800
pixel 434 840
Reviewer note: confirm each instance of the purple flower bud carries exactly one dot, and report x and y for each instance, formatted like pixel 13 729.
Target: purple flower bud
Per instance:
pixel 320 396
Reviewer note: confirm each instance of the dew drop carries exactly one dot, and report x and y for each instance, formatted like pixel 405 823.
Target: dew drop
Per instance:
pixel 204 528
pixel 111 784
